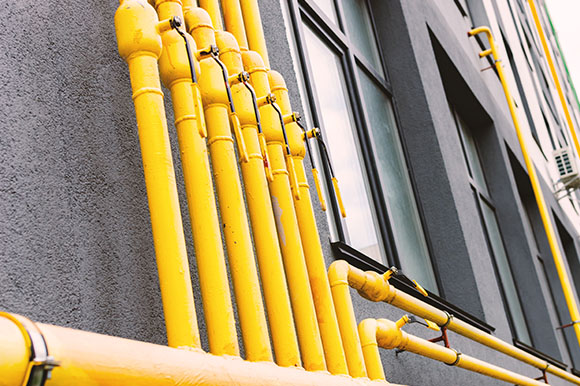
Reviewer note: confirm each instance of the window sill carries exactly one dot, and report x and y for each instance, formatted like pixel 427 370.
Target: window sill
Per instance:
pixel 359 260
pixel 539 354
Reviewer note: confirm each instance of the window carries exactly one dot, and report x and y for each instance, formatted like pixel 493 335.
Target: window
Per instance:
pixel 492 231
pixel 350 100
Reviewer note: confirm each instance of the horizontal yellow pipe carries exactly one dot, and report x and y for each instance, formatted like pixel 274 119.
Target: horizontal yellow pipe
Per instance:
pixel 374 287
pixel 87 358
pixel 387 334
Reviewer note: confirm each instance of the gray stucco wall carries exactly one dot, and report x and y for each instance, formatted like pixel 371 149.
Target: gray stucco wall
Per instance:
pixel 75 238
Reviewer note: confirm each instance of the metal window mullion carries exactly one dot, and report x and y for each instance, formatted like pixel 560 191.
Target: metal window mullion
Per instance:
pixel 313 106
pixel 378 204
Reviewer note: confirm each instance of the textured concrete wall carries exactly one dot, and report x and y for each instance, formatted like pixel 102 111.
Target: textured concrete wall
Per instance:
pixel 75 238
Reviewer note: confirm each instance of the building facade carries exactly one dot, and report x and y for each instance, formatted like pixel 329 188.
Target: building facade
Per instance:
pixel 418 134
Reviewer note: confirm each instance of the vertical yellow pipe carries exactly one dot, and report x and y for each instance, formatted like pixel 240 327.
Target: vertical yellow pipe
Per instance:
pixel 232 208
pixel 555 75
pixel 254 30
pixel 234 22
pixel 261 214
pixel 338 274
pixel 368 331
pixel 213 9
pixel 325 313
pixel 288 233
pixel 176 75
pixel 544 213
pixel 139 44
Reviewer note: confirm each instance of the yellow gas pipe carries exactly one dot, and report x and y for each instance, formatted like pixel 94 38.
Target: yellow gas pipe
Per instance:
pixel 555 75
pixel 544 213
pixel 232 207
pixel 387 334
pixel 213 9
pixel 139 43
pixel 85 358
pixel 234 22
pixel 174 65
pixel 330 334
pixel 286 222
pixel 260 207
pixel 375 287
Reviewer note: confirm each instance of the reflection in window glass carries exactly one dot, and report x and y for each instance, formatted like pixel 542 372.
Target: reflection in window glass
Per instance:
pixel 505 273
pixel 327 6
pixel 360 31
pixel 332 96
pixel 396 186
pixel 474 165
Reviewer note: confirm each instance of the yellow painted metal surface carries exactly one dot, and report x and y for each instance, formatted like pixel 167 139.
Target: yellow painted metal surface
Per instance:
pixel 389 335
pixel 139 44
pixel 213 9
pixel 555 77
pixel 543 208
pixel 368 334
pixel 286 223
pixel 261 215
pixel 188 111
pixel 375 287
pixel 338 274
pixel 325 313
pixel 234 22
pixel 254 29
pixel 232 208
pixel 92 359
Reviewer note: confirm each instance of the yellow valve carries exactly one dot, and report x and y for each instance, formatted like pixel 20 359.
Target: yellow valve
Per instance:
pixel 338 196
pixel 432 325
pixel 401 322
pixel 318 189
pixel 420 289
pixel 237 130
pixel 293 176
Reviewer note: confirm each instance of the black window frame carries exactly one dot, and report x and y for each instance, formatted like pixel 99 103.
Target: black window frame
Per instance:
pixel 307 12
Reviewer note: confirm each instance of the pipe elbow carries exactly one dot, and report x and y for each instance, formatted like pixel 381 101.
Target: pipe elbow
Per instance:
pixel 277 82
pixel 226 42
pixel 478 30
pixel 253 62
pixel 367 330
pixel 338 273
pixel 199 25
pixel 136 28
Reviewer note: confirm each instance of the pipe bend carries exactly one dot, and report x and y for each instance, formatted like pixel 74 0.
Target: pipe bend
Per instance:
pixel 478 30
pixel 367 330
pixel 338 273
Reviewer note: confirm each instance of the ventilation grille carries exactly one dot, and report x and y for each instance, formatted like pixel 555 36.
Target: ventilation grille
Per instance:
pixel 566 165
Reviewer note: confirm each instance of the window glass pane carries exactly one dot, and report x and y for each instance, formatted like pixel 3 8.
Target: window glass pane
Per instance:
pixel 505 274
pixel 360 31
pixel 332 96
pixel 396 186
pixel 327 6
pixel 476 170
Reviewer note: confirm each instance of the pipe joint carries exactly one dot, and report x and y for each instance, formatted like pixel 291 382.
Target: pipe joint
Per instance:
pixel 136 27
